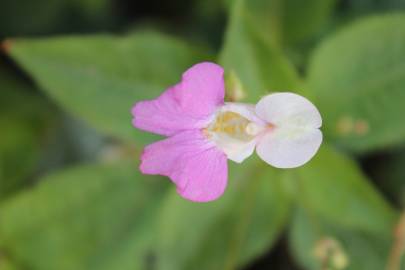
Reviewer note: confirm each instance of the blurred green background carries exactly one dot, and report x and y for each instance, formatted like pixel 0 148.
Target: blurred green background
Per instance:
pixel 72 197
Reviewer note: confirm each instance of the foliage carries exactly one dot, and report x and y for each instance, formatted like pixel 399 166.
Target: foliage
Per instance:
pixel 23 133
pixel 107 215
pixel 360 91
pixel 101 90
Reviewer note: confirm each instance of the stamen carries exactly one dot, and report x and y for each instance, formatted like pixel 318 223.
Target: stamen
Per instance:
pixel 232 125
pixel 252 129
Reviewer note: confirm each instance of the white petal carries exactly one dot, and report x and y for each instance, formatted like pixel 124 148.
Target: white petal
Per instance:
pixel 289 147
pixel 288 109
pixel 235 150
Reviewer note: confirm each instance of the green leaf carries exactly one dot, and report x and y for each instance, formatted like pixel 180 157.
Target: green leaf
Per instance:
pixel 5 264
pixel 288 22
pixel 302 19
pixel 25 121
pixel 230 232
pixel 249 54
pixel 362 251
pixel 99 78
pixel 333 186
pixel 358 77
pixel 88 217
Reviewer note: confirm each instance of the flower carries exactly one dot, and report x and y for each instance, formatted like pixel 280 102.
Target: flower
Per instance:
pixel 204 131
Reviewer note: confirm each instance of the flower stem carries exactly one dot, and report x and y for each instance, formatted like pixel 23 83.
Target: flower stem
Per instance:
pixel 398 247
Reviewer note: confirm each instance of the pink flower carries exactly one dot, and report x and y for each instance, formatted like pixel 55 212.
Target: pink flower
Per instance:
pixel 204 132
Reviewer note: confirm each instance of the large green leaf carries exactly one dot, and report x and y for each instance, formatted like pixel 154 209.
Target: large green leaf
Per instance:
pixel 105 217
pixel 358 78
pixel 25 119
pixel 334 187
pixel 303 19
pixel 361 251
pixel 229 232
pixel 99 78
pixel 287 22
pixel 337 203
pixel 5 264
pixel 90 217
pixel 249 55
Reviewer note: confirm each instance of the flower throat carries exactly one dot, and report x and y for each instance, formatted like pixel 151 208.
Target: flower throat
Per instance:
pixel 231 124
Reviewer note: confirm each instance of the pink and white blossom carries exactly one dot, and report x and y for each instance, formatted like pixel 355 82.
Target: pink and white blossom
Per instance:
pixel 204 131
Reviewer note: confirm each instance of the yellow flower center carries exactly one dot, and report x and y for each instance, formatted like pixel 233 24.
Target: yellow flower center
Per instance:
pixel 234 125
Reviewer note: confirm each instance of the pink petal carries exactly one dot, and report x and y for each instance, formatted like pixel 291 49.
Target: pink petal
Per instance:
pixel 193 163
pixel 186 105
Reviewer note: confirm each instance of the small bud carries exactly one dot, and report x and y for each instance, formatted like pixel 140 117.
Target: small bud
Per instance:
pixel 345 125
pixel 329 252
pixel 234 87
pixel 339 261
